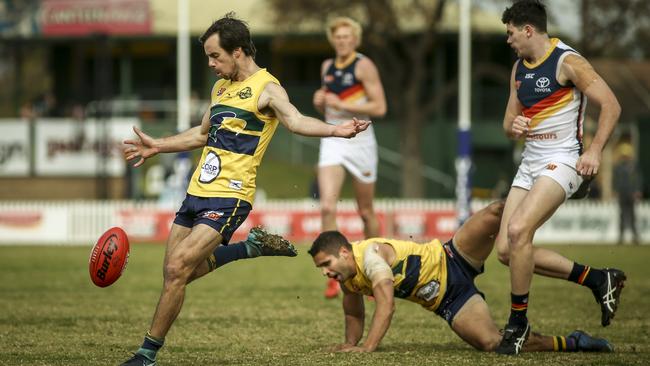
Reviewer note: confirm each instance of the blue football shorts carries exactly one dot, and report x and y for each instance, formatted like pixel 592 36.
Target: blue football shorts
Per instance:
pixel 224 215
pixel 460 283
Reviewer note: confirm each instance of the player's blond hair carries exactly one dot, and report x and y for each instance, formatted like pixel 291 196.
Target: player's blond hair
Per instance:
pixel 337 22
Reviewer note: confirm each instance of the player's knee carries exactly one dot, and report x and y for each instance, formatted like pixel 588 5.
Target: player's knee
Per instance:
pixel 176 271
pixel 327 209
pixel 496 209
pixel 517 233
pixel 503 254
pixel 488 344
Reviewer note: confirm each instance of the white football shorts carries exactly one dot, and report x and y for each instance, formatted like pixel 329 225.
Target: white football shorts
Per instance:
pixel 566 176
pixel 358 158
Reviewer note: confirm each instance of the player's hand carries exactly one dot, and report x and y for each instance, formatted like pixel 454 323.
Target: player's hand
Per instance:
pixel 142 147
pixel 332 101
pixel 319 98
pixel 519 127
pixel 351 128
pixel 588 163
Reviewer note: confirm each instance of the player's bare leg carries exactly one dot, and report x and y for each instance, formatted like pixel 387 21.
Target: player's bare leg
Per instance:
pixel 330 182
pixel 186 251
pixel 547 262
pixel 539 204
pixel 365 194
pixel 475 238
pixel 473 324
pixel 181 260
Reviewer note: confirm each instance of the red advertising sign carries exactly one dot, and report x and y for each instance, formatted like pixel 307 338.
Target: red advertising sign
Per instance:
pixel 304 226
pixel 81 17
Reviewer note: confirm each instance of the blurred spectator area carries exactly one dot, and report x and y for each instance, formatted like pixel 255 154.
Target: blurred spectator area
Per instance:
pixel 80 72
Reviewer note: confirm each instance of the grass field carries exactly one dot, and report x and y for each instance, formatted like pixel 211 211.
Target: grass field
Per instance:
pixel 270 311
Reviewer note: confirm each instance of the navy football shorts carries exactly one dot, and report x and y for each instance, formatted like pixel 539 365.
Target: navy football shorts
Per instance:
pixel 460 283
pixel 224 215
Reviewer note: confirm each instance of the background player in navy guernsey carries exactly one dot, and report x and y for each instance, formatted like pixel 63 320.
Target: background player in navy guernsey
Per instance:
pixel 350 88
pixel 549 87
pixel 247 104
pixel 438 277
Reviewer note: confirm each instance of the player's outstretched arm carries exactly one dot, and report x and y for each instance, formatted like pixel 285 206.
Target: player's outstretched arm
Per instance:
pixel 275 97
pixel 145 146
pixel 580 72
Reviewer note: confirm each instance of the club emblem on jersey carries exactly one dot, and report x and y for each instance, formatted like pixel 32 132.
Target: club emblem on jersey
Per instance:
pixel 221 90
pixel 245 93
pixel 517 84
pixel 551 166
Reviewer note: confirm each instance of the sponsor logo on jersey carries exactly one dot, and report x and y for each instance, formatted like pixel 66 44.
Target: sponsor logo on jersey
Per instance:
pixel 348 79
pixel 235 184
pixel 551 166
pixel 542 136
pixel 245 93
pixel 542 85
pixel 530 75
pixel 210 168
pixel 212 215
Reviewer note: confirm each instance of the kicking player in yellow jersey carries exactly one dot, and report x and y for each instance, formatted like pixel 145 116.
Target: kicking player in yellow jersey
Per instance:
pixel 438 277
pixel 247 103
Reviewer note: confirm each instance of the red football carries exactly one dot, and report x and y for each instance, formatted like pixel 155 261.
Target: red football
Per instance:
pixel 109 257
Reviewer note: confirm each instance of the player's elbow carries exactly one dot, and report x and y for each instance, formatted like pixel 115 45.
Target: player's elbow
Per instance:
pixel 379 111
pixel 615 108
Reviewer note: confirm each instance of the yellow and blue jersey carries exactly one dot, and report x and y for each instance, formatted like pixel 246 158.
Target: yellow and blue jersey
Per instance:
pixel 415 266
pixel 238 137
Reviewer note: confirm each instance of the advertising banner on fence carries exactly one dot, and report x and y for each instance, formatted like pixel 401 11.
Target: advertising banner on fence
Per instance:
pixel 34 226
pixel 14 148
pixel 574 223
pixel 82 148
pixel 82 17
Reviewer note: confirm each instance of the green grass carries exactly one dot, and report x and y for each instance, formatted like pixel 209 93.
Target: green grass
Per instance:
pixel 270 311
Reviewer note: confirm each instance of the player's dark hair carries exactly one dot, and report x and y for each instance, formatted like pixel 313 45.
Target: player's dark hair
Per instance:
pixel 329 242
pixel 524 12
pixel 233 33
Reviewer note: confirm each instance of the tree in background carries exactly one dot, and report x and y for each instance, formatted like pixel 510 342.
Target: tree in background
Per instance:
pixel 617 29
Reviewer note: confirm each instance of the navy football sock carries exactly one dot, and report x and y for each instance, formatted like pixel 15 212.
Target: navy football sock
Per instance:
pixel 225 254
